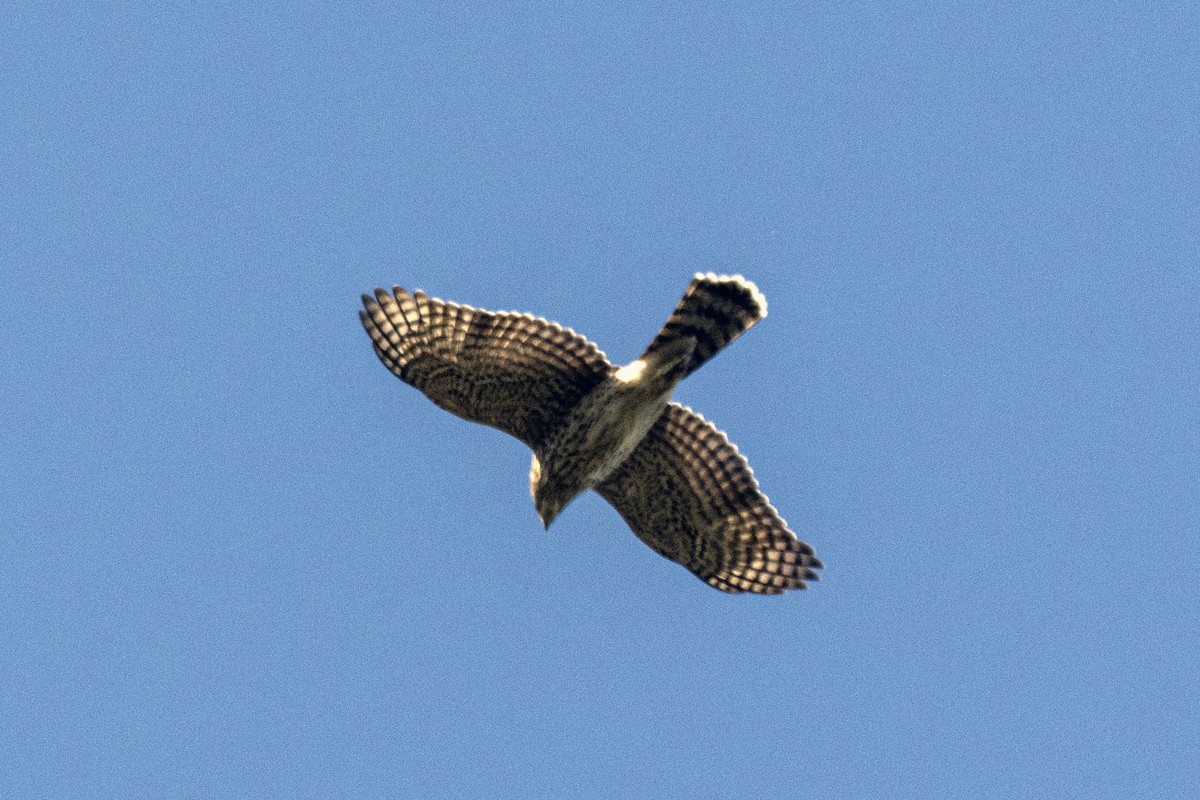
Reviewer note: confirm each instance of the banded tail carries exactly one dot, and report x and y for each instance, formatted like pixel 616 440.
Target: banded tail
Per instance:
pixel 715 310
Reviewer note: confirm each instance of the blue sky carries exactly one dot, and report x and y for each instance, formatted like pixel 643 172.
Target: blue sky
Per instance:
pixel 240 559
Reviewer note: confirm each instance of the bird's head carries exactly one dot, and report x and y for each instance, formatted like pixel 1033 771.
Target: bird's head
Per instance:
pixel 548 497
pixel 548 509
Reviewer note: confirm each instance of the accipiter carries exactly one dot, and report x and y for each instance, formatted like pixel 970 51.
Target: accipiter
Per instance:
pixel 676 480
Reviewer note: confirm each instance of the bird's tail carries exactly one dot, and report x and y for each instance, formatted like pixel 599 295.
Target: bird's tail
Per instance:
pixel 715 310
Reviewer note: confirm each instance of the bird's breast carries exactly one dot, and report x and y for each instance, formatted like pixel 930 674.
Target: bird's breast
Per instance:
pixel 602 431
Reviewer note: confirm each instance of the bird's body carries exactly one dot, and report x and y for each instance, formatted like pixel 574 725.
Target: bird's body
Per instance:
pixel 604 428
pixel 678 482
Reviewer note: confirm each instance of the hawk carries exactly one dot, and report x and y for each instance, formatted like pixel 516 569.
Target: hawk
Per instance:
pixel 678 482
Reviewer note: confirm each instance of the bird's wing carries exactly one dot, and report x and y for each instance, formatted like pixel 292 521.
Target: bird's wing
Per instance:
pixel 516 372
pixel 689 494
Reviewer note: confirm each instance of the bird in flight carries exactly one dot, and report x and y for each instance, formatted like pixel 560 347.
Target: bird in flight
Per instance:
pixel 678 482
